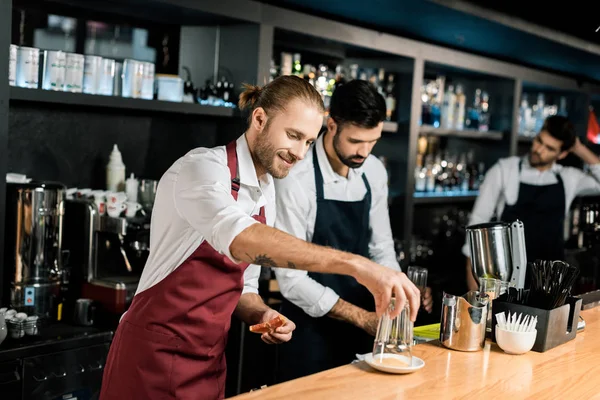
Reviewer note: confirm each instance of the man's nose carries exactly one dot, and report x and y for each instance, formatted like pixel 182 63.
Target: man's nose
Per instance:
pixel 299 151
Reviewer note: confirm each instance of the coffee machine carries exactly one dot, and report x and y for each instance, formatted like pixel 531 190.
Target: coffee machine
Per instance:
pixel 107 255
pixel 33 264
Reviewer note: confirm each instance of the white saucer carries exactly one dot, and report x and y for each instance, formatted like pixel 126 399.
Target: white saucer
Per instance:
pixel 416 364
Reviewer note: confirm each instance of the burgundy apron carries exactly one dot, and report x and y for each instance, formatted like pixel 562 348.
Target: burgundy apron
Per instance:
pixel 171 342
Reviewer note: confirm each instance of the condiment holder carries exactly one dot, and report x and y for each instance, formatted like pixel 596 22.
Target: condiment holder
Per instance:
pixel 547 300
pixel 515 334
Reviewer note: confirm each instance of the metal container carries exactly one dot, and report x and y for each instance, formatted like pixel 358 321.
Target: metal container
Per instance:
pixel 498 251
pixel 74 73
pixel 34 217
pixel 118 79
pixel 28 67
pixel 463 322
pixel 92 73
pixel 54 70
pixel 148 81
pixel 107 76
pixel 12 65
pixel 133 76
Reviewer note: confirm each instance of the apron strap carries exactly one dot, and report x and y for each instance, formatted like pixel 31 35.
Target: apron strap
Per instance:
pixel 319 179
pixel 232 164
pixel 318 175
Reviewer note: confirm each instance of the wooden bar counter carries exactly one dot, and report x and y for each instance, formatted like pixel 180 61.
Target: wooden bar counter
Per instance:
pixel 569 371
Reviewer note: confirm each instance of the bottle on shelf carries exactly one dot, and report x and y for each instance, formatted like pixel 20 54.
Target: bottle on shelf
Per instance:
pixel 297 67
pixel 472 120
pixel 562 111
pixel 390 98
pixel 447 111
pixel 484 115
pixel 539 113
pixel 459 110
pixel 115 171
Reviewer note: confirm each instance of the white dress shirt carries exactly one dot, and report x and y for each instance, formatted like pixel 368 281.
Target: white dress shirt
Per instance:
pixel 501 186
pixel 194 203
pixel 297 212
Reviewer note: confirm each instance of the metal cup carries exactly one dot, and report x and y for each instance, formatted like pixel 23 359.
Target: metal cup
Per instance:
pixel 84 312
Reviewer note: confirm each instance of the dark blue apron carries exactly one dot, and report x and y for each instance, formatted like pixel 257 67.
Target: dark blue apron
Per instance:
pixel 542 211
pixel 324 343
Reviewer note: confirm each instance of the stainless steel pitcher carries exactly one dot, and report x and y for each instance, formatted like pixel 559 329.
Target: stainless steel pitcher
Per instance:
pixel 498 251
pixel 462 326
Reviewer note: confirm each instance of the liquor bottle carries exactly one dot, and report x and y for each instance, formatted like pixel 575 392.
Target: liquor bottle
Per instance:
pixel 390 98
pixel 459 109
pixel 484 114
pixel 472 120
pixel 297 67
pixel 448 107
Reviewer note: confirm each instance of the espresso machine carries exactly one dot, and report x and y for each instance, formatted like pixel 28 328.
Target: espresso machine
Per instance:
pixel 107 255
pixel 33 264
pixel 498 251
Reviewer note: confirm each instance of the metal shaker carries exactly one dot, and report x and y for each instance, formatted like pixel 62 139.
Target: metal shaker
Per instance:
pixel 463 321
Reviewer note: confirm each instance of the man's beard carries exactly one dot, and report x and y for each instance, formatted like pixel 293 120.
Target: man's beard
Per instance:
pixel 265 153
pixel 348 161
pixel 536 161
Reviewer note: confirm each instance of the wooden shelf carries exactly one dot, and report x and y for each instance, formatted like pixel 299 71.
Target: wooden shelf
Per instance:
pixel 445 197
pixel 466 133
pixel 115 102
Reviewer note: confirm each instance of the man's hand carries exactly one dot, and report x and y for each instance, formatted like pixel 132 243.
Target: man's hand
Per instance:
pixel 383 283
pixel 281 334
pixel 585 154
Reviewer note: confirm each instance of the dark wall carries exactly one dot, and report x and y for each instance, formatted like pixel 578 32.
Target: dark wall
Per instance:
pixel 73 145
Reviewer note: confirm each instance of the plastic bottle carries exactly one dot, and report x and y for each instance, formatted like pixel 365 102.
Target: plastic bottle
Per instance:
pixel 115 171
pixel 131 188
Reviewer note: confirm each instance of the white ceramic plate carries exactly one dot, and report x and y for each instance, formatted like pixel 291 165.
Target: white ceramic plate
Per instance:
pixel 416 364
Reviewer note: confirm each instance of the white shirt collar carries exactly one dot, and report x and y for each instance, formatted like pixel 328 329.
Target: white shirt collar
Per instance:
pixel 329 175
pixel 246 170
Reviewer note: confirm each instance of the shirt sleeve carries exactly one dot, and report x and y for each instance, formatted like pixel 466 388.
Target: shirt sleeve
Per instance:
pixel 381 246
pixel 589 182
pixel 203 198
pixel 251 276
pixel 485 204
pixel 296 285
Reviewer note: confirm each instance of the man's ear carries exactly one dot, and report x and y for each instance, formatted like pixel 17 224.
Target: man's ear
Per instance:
pixel 259 119
pixel 563 155
pixel 331 125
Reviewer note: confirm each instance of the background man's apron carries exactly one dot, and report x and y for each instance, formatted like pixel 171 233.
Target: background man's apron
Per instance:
pixel 324 343
pixel 542 211
pixel 170 344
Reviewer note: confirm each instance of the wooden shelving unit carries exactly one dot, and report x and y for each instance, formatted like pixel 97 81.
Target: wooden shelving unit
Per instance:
pixel 115 102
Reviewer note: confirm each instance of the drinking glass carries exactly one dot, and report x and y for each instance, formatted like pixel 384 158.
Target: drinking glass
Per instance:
pixel 418 276
pixel 394 338
pixel 491 287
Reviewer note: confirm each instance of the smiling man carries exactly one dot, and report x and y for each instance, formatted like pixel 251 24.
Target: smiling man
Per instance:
pixel 212 217
pixel 537 190
pixel 336 197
